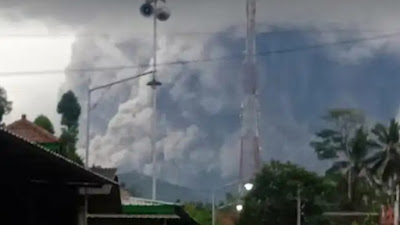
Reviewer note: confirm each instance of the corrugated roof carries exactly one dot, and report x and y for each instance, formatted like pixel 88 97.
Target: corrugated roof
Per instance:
pixel 128 216
pixel 30 131
pixel 110 173
pixel 127 199
pixel 26 149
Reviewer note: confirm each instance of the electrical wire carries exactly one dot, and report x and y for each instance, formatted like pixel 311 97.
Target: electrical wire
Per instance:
pixel 210 59
pixel 192 33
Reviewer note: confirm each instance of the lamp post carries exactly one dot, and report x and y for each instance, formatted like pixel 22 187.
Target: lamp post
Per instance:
pixel 161 13
pixel 239 206
pixel 88 110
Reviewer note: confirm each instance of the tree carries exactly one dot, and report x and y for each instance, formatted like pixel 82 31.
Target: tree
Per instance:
pixel 357 163
pixel 68 139
pixel 69 109
pixel 199 212
pixel 45 123
pixel 336 140
pixel 273 198
pixel 5 105
pixel 386 162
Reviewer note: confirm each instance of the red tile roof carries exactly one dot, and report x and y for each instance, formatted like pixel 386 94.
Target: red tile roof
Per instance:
pixel 31 131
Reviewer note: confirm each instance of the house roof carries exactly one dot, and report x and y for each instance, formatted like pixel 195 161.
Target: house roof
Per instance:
pixel 24 160
pixel 149 209
pixel 110 173
pixel 134 216
pixel 30 131
pixel 175 215
pixel 128 199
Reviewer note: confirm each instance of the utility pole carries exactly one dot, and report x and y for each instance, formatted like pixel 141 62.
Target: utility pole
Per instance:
pixel 213 208
pixel 298 206
pixel 396 206
pixel 154 84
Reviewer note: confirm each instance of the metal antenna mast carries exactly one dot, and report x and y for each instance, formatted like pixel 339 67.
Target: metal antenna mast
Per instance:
pixel 249 144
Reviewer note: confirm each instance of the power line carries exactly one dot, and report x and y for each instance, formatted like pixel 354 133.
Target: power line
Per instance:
pixel 192 33
pixel 210 59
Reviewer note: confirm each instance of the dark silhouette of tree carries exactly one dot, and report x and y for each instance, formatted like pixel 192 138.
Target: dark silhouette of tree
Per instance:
pixel 273 198
pixel 336 141
pixel 386 162
pixel 5 105
pixel 70 111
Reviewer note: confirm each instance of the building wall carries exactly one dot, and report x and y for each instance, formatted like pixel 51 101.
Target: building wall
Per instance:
pixel 39 204
pixel 106 204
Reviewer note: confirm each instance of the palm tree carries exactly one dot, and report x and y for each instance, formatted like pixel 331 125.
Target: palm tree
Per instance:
pixel 334 141
pixel 356 164
pixel 386 162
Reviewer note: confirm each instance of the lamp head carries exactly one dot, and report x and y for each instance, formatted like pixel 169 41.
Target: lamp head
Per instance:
pixel 239 207
pixel 147 9
pixel 248 186
pixel 163 13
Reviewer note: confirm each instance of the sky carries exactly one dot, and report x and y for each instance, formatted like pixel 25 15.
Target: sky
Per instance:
pixel 199 103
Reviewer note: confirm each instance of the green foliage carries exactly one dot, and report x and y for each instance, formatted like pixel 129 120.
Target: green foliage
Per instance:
pixel 335 139
pixel 68 139
pixel 370 221
pixel 75 157
pixel 273 198
pixel 386 163
pixel 45 123
pixel 69 109
pixel 369 165
pixel 5 105
pixel 199 212
pixel 346 139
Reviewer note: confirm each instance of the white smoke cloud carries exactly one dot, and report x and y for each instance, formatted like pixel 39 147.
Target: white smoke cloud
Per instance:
pixel 229 155
pixel 120 122
pixel 125 141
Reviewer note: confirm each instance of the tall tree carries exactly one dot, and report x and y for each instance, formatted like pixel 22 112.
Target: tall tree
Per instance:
pixel 335 141
pixel 357 164
pixel 273 198
pixel 70 111
pixel 5 105
pixel 386 162
pixel 45 123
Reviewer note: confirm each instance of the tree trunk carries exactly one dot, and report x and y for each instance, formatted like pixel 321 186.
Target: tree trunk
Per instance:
pixel 349 185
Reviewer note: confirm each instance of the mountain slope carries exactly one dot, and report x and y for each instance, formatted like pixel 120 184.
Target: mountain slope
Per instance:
pixel 141 186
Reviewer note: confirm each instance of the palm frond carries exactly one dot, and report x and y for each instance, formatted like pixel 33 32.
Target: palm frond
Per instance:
pixel 380 132
pixel 326 133
pixel 377 166
pixel 393 131
pixel 338 167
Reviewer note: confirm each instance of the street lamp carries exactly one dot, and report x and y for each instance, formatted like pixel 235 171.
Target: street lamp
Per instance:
pixel 248 186
pixel 161 13
pixel 239 207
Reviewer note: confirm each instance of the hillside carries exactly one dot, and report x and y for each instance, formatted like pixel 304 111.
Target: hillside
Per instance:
pixel 141 186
